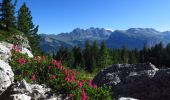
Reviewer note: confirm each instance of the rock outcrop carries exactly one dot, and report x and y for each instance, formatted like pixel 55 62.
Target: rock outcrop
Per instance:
pixel 6 76
pixel 6 73
pixel 25 91
pixel 5 51
pixel 126 98
pixel 142 81
pixel 9 90
pixel 22 41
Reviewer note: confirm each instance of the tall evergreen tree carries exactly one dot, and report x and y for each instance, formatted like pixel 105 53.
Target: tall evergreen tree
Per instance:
pixel 103 59
pixel 87 56
pixel 7 13
pixel 78 57
pixel 34 39
pixel 95 54
pixel 132 57
pixel 24 19
pixel 95 50
pixel 145 53
pixel 124 55
pixel 25 24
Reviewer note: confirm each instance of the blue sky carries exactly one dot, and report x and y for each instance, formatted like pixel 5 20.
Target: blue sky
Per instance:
pixel 55 16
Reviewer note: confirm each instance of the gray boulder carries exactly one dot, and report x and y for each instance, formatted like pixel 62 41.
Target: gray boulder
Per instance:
pixel 126 98
pixel 22 41
pixel 26 91
pixel 6 76
pixel 19 97
pixel 142 81
pixel 5 53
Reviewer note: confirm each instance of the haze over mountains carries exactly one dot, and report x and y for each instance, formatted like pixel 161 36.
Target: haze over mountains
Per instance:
pixel 131 38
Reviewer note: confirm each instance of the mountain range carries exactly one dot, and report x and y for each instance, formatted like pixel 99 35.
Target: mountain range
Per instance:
pixel 131 38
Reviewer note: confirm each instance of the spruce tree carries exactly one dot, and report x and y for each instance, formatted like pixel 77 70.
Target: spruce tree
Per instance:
pixel 124 55
pixel 24 19
pixel 78 57
pixel 87 56
pixel 94 54
pixel 104 54
pixel 25 24
pixel 95 50
pixel 7 13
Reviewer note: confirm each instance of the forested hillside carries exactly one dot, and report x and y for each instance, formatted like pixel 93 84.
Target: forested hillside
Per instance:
pixel 17 22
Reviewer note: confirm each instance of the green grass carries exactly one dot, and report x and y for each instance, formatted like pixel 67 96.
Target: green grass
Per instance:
pixel 9 35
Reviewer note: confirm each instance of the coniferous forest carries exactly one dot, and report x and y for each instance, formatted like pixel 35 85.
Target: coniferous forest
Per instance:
pixel 94 58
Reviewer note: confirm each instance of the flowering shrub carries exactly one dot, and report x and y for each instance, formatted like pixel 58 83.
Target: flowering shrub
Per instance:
pixel 45 70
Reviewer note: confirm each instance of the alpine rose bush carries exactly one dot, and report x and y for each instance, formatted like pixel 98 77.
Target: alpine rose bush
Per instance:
pixel 45 70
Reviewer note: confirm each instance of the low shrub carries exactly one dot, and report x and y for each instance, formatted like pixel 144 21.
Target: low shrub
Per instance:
pixel 45 70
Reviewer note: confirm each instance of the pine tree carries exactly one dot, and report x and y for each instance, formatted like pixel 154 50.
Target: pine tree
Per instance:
pixel 7 13
pixel 145 53
pixel 103 59
pixel 64 55
pixel 132 57
pixel 78 57
pixel 95 50
pixel 24 19
pixel 87 56
pixel 94 54
pixel 124 55
pixel 167 55
pixel 34 39
pixel 25 24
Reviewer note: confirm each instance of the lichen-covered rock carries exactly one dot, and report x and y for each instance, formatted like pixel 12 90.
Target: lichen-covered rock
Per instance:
pixel 5 53
pixel 34 91
pixel 126 98
pixel 142 81
pixel 26 51
pixel 19 97
pixel 22 41
pixel 6 76
pixel 117 72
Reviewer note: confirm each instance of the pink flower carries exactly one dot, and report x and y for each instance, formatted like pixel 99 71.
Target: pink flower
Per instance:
pixel 13 47
pixel 80 84
pixel 90 83
pixel 52 77
pixel 94 86
pixel 66 72
pixel 83 81
pixel 73 78
pixel 60 67
pixel 38 59
pixel 16 48
pixel 70 95
pixel 83 95
pixel 21 61
pixel 49 67
pixel 33 78
pixel 54 62
pixel 67 79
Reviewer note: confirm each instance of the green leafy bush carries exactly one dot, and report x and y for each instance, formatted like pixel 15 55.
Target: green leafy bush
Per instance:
pixel 45 70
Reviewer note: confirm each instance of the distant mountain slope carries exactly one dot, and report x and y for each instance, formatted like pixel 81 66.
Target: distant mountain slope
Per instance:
pixel 78 36
pixel 131 38
pixel 136 38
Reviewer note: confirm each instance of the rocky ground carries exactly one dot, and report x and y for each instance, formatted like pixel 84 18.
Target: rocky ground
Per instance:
pixel 142 81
